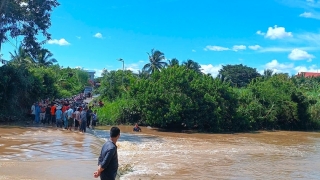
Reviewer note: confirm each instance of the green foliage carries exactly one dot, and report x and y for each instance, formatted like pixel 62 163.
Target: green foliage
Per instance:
pixel 176 96
pixel 21 57
pixel 192 65
pixel 156 63
pixel 21 85
pixel 115 112
pixel 274 103
pixel 26 18
pixel 116 83
pixel 240 99
pixel 171 97
pixel 238 75
pixel 44 58
pixel 17 89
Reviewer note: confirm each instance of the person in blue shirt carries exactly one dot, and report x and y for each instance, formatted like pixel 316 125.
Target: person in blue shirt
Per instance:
pixel 108 159
pixel 59 117
pixel 37 113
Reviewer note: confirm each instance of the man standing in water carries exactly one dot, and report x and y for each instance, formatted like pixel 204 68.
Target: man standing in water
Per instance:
pixel 108 159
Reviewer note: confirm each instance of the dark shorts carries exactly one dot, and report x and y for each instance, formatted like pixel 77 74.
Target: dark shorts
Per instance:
pixel 94 123
pixel 70 122
pixel 76 123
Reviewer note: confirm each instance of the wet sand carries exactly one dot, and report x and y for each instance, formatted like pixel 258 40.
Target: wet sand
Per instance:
pixel 46 153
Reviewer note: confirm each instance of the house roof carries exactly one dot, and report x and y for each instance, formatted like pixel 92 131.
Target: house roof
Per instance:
pixel 309 74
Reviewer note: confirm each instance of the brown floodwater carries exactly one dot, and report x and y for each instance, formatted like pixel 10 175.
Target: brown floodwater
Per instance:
pixel 47 153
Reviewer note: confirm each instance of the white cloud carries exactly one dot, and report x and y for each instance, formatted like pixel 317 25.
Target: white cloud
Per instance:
pixel 289 68
pixel 98 72
pixel 61 42
pixel 78 67
pixel 98 35
pixel 213 70
pixel 314 15
pixel 78 37
pixel 133 67
pixel 216 48
pixel 277 67
pixel 255 47
pixel 239 47
pixel 306 15
pixel 312 68
pixel 310 38
pixel 286 49
pixel 277 33
pixel 193 50
pixel 298 54
pixel 311 7
pixel 260 33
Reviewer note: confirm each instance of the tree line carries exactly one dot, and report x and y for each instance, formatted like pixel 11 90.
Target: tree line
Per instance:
pixel 25 79
pixel 174 95
pixel 31 73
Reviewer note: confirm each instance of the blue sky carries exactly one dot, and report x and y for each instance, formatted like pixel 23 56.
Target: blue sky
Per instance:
pixel 283 35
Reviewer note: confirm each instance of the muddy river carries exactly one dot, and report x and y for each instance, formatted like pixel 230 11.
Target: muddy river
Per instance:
pixel 47 153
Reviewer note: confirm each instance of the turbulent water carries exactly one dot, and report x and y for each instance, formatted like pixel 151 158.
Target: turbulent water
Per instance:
pixel 163 155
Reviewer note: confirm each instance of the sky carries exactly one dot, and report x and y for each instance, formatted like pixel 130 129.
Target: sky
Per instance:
pixel 282 35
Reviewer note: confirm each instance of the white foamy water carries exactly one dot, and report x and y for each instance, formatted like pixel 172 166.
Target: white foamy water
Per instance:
pixel 267 155
pixel 243 156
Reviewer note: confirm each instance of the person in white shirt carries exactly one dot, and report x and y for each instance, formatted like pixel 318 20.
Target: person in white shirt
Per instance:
pixel 70 118
pixel 77 121
pixel 33 111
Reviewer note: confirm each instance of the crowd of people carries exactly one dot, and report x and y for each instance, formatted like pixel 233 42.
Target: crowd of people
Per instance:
pixel 71 113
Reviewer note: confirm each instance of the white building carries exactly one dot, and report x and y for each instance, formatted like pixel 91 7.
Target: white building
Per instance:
pixel 91 75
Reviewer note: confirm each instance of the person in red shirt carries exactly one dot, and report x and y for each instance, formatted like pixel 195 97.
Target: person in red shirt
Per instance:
pixel 53 114
pixel 64 108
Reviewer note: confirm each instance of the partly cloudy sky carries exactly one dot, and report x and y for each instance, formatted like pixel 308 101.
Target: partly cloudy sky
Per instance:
pixel 282 35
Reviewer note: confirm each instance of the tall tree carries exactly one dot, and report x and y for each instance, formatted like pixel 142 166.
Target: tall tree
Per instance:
pixel 173 62
pixel 156 62
pixel 44 58
pixel 238 75
pixel 190 64
pixel 21 57
pixel 26 18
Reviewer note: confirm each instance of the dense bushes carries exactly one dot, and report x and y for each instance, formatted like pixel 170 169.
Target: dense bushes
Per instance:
pixel 180 98
pixel 22 85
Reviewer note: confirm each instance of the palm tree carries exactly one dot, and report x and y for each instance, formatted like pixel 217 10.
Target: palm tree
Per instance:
pixel 44 58
pixel 143 74
pixel 156 63
pixel 173 62
pixel 21 56
pixel 190 64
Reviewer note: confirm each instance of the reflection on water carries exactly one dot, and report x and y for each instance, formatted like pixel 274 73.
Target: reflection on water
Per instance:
pixel 163 155
pixel 40 143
